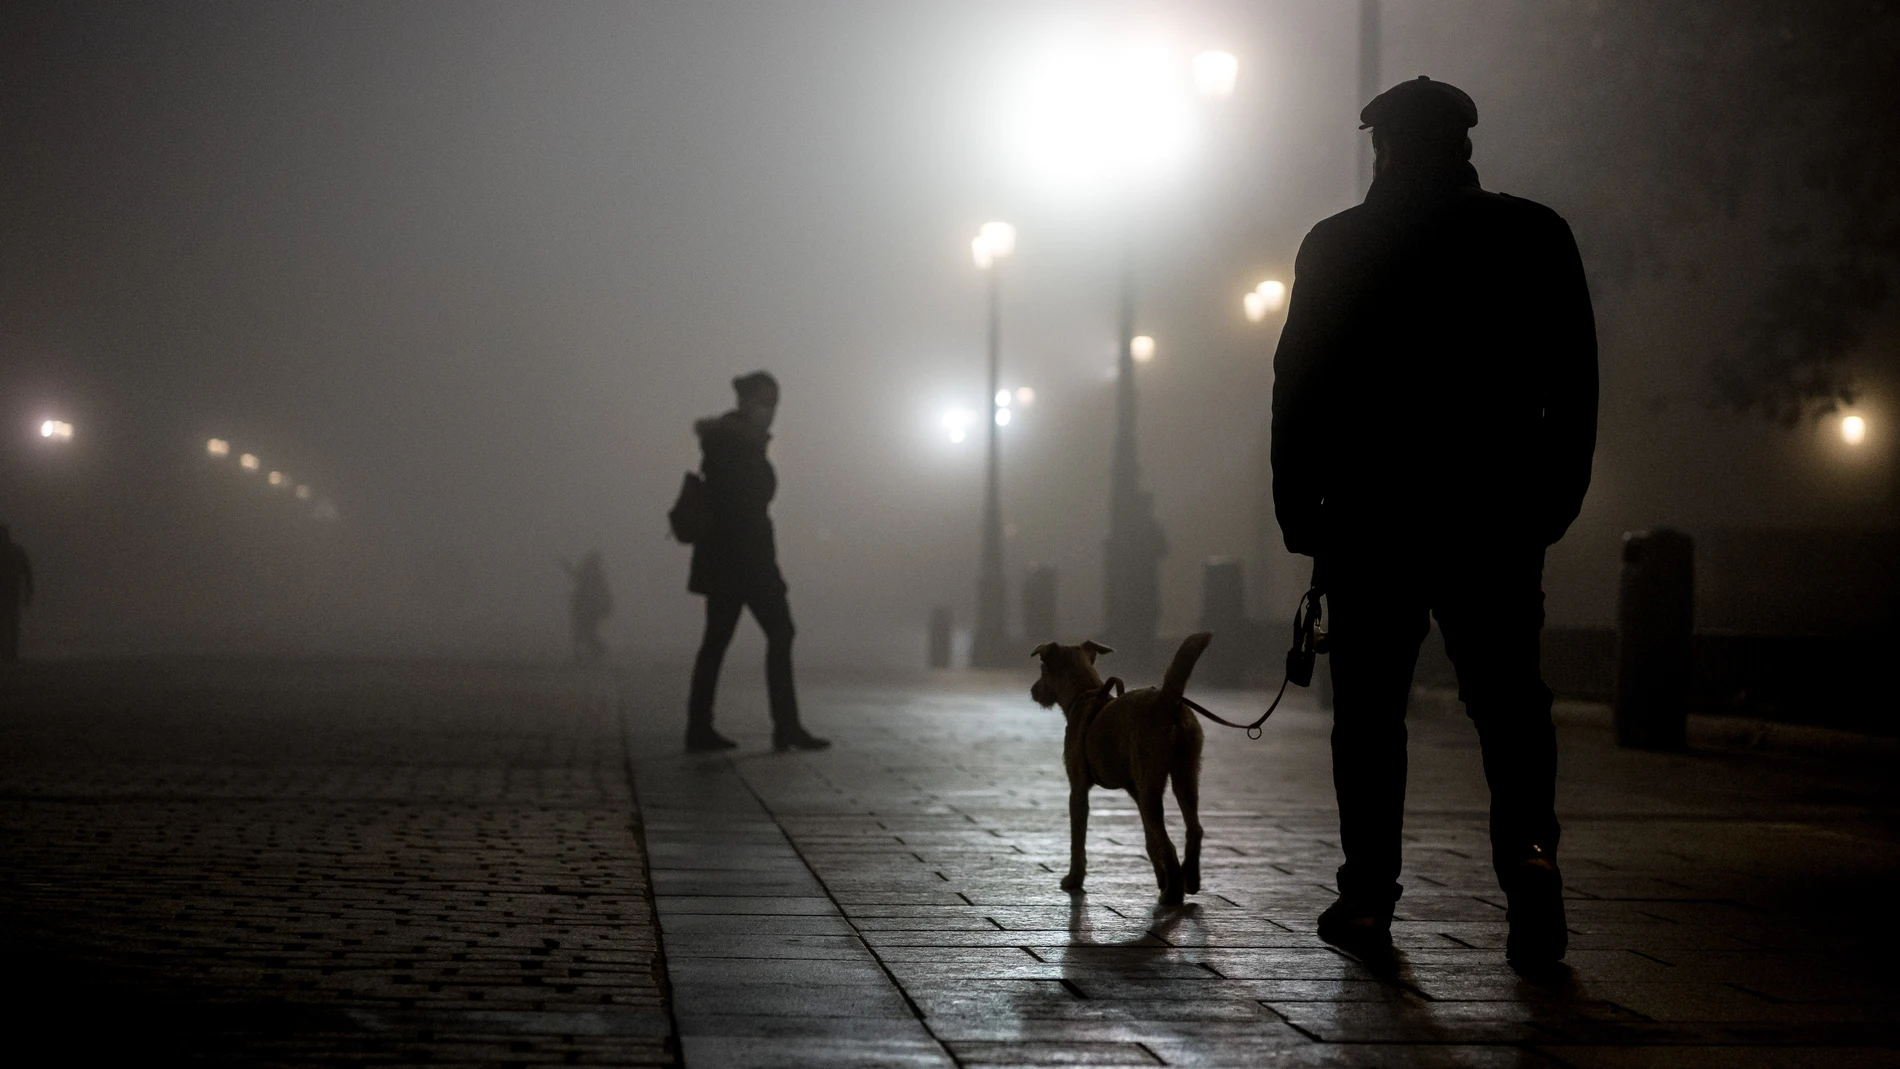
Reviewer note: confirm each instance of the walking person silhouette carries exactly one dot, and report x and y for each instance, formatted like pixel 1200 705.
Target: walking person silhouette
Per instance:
pixel 589 603
pixel 1434 417
pixel 735 565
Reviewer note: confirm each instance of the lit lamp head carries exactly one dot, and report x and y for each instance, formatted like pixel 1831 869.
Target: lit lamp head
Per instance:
pixel 57 430
pixel 1853 430
pixel 248 462
pixel 218 447
pixel 993 242
pixel 1142 348
pixel 1215 73
pixel 1264 300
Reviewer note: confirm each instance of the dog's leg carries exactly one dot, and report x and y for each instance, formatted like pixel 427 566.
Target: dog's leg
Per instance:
pixel 1078 837
pixel 1160 848
pixel 1187 795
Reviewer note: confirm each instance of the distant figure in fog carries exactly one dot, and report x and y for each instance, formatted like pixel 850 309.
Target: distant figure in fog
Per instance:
pixel 16 592
pixel 735 565
pixel 1434 416
pixel 588 604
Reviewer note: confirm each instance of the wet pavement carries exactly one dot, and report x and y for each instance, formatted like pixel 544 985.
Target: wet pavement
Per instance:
pixel 263 863
pixel 1726 909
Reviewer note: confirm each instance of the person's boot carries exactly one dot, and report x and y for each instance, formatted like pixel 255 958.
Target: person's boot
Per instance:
pixel 796 738
pixel 1534 890
pixel 703 739
pixel 1355 922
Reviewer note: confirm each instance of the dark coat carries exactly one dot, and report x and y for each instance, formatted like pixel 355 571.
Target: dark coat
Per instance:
pixel 1437 378
pixel 737 556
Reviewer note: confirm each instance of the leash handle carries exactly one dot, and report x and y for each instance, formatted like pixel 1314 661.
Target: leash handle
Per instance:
pixel 1307 645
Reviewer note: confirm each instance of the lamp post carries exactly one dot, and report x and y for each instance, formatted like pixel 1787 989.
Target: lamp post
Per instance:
pixel 1111 118
pixel 990 645
pixel 1131 555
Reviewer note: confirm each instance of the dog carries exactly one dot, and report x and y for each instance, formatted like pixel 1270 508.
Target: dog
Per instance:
pixel 1135 742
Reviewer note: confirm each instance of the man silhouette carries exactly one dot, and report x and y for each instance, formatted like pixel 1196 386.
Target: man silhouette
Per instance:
pixel 16 592
pixel 1434 416
pixel 735 565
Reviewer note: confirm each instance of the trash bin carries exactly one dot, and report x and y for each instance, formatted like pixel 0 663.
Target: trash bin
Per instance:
pixel 1655 620
pixel 1039 605
pixel 940 622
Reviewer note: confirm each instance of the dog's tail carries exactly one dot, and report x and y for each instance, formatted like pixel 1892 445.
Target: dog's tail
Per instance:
pixel 1174 684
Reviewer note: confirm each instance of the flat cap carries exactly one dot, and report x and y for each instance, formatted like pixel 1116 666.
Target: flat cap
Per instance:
pixel 1421 102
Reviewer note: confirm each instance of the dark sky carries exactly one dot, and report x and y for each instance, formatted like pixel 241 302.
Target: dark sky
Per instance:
pixel 472 269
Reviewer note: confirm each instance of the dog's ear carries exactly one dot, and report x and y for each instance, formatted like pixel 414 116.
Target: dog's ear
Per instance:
pixel 1093 648
pixel 1042 649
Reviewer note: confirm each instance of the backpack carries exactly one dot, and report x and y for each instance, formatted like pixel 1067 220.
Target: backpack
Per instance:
pixel 691 514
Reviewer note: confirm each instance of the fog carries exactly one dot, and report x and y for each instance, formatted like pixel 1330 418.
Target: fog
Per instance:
pixel 471 271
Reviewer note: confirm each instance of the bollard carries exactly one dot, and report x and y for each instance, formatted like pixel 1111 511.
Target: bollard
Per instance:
pixel 940 637
pixel 1039 605
pixel 1224 612
pixel 1654 623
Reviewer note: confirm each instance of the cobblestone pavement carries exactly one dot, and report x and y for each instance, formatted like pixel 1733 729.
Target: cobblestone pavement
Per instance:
pixel 298 864
pixel 893 901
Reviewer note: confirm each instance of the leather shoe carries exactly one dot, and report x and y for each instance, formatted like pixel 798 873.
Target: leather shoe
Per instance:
pixel 1534 890
pixel 1357 922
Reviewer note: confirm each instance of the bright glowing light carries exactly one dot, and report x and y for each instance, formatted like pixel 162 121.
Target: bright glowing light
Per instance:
pixel 303 493
pixel 218 447
pixel 277 479
pixel 1853 430
pixel 1142 348
pixel 1215 73
pixel 957 421
pixel 248 462
pixel 57 429
pixel 1002 417
pixel 1025 397
pixel 995 241
pixel 1266 298
pixel 1003 398
pixel 980 253
pixel 1000 237
pixel 1105 116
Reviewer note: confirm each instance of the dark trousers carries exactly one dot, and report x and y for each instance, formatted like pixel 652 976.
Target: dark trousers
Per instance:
pixel 774 615
pixel 1491 611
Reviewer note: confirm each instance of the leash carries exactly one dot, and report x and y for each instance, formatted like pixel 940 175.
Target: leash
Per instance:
pixel 1308 642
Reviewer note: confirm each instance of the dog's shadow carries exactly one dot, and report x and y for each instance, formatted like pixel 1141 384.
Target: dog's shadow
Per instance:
pixel 1090 962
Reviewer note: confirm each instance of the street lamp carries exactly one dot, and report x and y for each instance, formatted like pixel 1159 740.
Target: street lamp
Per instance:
pixel 990 645
pixel 218 447
pixel 1263 300
pixel 1114 119
pixel 1215 73
pixel 57 430
pixel 1853 430
pixel 248 462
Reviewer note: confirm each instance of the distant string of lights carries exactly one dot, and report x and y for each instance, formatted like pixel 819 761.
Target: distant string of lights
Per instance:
pixel 59 433
pixel 321 508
